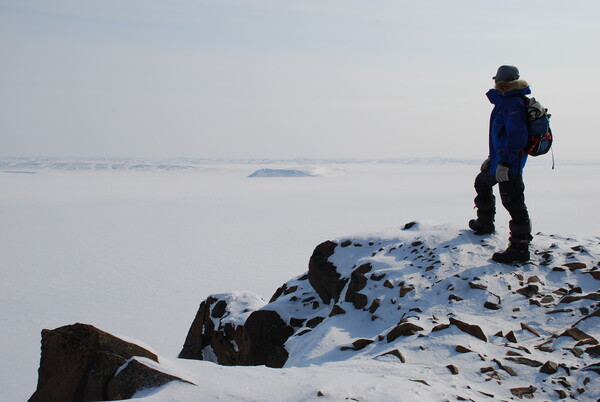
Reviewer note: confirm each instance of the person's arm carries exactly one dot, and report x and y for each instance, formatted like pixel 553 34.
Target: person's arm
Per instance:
pixel 515 123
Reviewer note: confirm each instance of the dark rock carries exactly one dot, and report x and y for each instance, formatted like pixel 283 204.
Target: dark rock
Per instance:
pixel 511 337
pixel 78 360
pixel 223 340
pixel 592 367
pixel 528 328
pixel 375 305
pixel 474 285
pixel 345 243
pixel 575 265
pixel 405 329
pixel 529 290
pixel 219 309
pixel 358 281
pixel 337 310
pixel 525 392
pixel 134 377
pixel 440 327
pixel 595 296
pixel 549 367
pixel 506 368
pixel 297 322
pixel 313 322
pixel 406 289
pixel 377 277
pixel 491 305
pixel 358 344
pixel 473 330
pixel 322 274
pixel 388 284
pixel 462 349
pixel 264 335
pixel 525 361
pixel 420 381
pixel 409 225
pixel 562 394
pixel 593 351
pixel 453 369
pixel 291 289
pixel 455 297
pixel 576 334
pixel 396 353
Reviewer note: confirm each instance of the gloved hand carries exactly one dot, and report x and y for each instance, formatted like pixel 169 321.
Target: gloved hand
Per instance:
pixel 485 165
pixel 502 173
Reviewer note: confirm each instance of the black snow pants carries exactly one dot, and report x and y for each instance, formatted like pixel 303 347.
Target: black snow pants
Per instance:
pixel 512 194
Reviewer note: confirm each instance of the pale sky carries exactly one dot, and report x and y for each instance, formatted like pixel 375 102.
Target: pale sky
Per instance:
pixel 287 78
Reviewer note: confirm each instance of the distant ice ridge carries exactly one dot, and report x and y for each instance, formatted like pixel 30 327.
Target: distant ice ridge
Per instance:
pixel 280 173
pixel 311 167
pixel 33 164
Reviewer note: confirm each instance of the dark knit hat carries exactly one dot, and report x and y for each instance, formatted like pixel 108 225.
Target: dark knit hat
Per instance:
pixel 507 73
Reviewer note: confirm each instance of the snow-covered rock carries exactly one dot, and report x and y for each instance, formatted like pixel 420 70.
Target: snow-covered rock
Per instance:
pixel 82 363
pixel 429 297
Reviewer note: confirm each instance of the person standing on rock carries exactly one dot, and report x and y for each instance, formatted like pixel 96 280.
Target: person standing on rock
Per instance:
pixel 504 165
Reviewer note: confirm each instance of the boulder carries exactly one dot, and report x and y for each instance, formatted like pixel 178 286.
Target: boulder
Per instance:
pixel 264 336
pixel 470 329
pixel 222 340
pixel 78 361
pixel 358 281
pixel 135 376
pixel 322 274
pixel 406 329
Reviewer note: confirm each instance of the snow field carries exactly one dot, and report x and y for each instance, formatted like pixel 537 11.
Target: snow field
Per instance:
pixel 134 252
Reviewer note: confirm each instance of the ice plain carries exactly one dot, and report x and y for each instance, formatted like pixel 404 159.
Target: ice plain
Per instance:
pixel 133 246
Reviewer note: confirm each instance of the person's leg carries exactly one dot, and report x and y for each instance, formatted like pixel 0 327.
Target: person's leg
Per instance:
pixel 512 194
pixel 485 202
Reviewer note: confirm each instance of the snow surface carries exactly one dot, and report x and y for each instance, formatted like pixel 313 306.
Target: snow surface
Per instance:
pixel 132 247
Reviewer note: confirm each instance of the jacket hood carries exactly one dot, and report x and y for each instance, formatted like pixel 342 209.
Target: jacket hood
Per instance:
pixel 508 86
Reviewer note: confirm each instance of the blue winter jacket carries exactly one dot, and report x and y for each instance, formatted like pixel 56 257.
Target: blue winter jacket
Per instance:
pixel 508 126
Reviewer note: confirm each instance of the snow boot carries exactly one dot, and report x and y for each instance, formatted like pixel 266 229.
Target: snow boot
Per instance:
pixel 481 227
pixel 516 252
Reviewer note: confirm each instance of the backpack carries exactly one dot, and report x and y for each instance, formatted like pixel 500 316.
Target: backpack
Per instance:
pixel 540 137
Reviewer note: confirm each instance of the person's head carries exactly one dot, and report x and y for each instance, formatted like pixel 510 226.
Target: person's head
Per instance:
pixel 506 73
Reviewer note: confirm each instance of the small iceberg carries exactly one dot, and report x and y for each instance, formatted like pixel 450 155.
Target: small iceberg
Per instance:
pixel 280 173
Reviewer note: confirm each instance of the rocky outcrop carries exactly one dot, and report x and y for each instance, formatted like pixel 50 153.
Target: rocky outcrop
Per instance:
pixel 82 363
pixel 207 335
pixel 323 275
pixel 265 334
pixel 254 338
pixel 415 291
